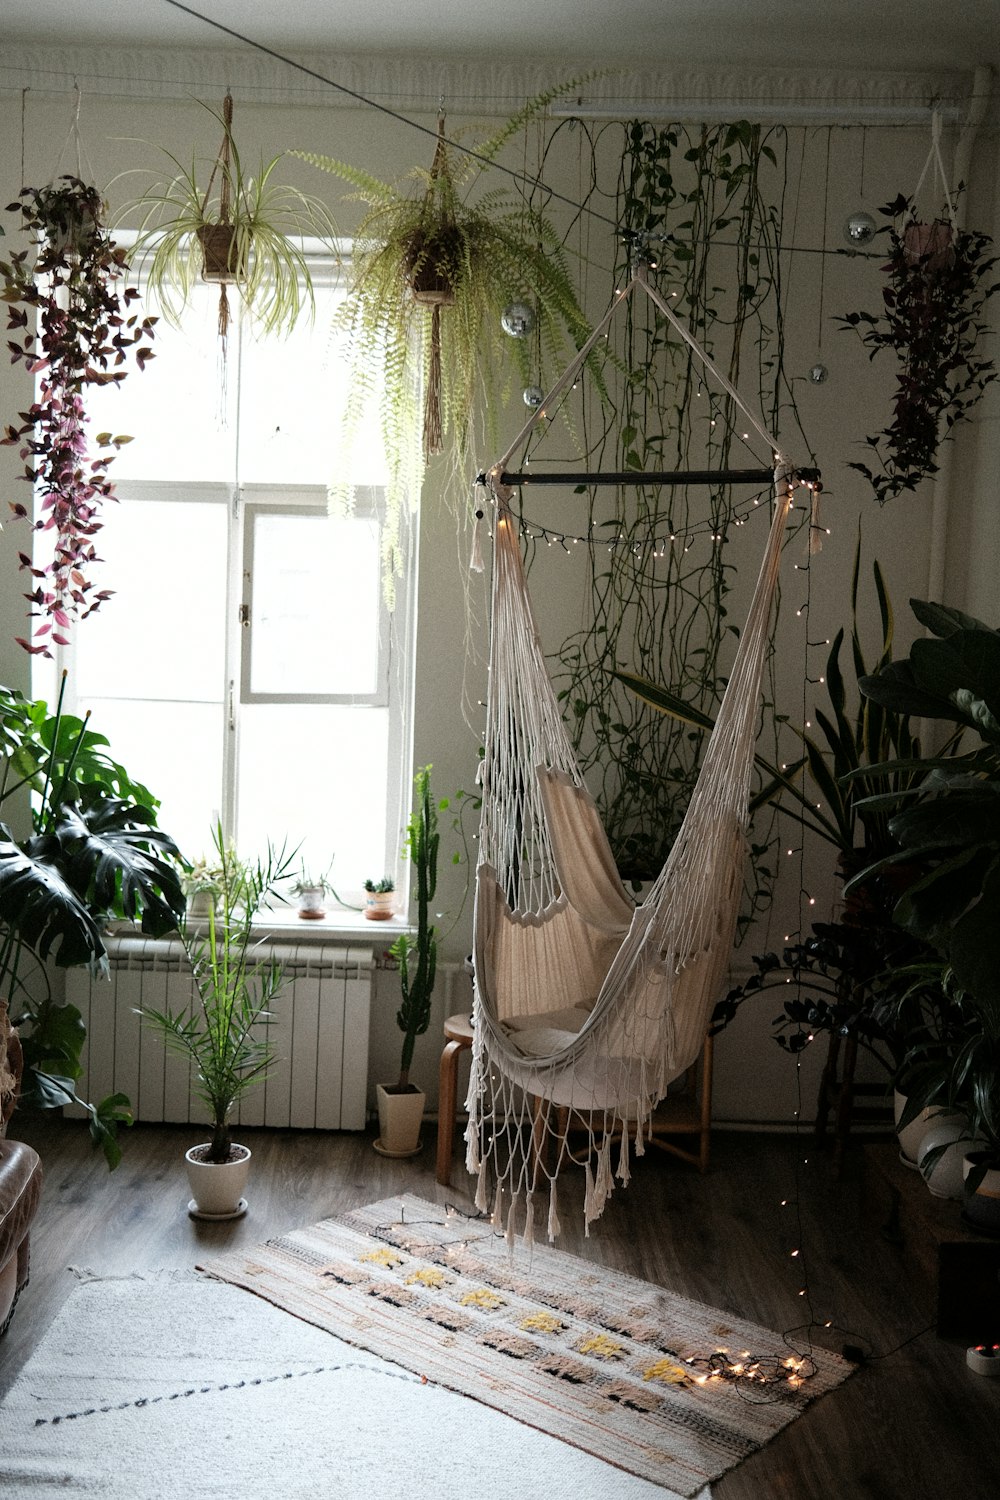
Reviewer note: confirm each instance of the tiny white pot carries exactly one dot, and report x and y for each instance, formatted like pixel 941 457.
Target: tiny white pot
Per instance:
pixel 945 1176
pixel 312 903
pixel 400 1116
pixel 217 1186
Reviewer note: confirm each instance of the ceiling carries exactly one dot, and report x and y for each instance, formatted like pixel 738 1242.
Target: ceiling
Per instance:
pixel 883 35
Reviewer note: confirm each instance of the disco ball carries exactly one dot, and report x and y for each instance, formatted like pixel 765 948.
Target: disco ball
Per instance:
pixel 518 320
pixel 859 228
pixel 533 396
pixel 818 373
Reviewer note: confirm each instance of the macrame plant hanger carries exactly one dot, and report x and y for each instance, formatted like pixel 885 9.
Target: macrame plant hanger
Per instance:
pixel 430 287
pixel 586 1005
pixel 217 240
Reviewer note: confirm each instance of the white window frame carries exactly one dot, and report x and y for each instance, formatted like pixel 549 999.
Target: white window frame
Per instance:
pixel 396 631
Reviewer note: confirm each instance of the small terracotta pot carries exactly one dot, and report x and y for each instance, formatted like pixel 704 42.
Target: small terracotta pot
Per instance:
pixel 219 253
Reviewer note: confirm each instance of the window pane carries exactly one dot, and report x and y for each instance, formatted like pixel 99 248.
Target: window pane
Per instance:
pixel 316 772
pixel 162 634
pixel 316 603
pixel 180 409
pixel 176 750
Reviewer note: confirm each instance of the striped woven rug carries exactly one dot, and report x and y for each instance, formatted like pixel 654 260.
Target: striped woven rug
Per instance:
pixel 618 1367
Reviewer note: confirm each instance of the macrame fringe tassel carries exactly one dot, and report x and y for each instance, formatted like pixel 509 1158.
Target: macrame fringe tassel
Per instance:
pixel 624 1175
pixel 528 1238
pixel 510 1233
pixel 433 437
pixel 496 1217
pixel 482 1197
pixel 588 1201
pixel 554 1226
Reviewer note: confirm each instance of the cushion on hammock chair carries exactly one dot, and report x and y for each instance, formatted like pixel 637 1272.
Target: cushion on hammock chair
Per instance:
pixel 547 1033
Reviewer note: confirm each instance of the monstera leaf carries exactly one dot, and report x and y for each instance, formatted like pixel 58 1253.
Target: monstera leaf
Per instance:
pixel 114 859
pixel 43 911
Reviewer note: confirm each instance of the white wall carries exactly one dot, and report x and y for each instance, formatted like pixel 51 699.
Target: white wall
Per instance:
pixel 866 168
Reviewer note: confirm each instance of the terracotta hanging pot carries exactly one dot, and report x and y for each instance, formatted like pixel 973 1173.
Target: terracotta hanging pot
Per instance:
pixel 220 254
pixel 929 246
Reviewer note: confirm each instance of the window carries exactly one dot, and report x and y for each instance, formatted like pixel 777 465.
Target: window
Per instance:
pixel 246 666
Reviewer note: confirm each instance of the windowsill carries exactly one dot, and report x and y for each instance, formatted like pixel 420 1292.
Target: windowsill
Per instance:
pixel 285 926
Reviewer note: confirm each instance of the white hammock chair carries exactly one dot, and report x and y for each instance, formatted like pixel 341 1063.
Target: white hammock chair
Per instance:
pixel 587 1006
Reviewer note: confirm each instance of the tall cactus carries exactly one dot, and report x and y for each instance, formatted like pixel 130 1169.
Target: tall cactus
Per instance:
pixel 417 956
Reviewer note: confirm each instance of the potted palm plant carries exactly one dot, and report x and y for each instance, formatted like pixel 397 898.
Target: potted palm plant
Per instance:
pixel 401 1104
pixel 93 854
pixel 223 1029
pixel 233 225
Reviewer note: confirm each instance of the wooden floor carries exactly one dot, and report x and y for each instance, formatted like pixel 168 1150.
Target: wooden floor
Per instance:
pixel 911 1424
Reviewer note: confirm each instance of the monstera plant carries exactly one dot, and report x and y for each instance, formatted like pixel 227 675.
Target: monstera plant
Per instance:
pixel 92 854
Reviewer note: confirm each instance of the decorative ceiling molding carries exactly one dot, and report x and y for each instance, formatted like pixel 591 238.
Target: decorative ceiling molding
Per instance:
pixel 474 86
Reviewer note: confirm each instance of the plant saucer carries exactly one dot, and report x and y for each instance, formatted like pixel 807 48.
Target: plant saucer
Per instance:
pixel 232 1213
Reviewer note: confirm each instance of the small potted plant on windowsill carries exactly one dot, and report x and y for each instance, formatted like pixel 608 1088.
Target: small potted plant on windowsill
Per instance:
pixel 380 899
pixel 310 892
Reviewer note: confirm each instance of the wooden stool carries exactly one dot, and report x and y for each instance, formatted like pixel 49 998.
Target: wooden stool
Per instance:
pixel 458 1033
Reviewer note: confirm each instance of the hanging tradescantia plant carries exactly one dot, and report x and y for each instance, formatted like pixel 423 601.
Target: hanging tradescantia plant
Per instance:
pixel 85 334
pixel 935 293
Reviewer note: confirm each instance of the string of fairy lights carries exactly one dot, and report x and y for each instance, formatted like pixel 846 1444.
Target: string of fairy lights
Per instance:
pixel 756 1378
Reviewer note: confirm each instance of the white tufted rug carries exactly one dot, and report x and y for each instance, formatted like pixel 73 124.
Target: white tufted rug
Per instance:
pixel 175 1386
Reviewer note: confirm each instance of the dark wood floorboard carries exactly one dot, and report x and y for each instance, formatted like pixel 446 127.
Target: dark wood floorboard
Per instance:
pixel 912 1425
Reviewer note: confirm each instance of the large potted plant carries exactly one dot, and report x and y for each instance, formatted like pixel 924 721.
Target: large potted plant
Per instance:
pixel 947 831
pixel 92 853
pixel 71 323
pixel 231 224
pixel 223 1031
pixel 401 1104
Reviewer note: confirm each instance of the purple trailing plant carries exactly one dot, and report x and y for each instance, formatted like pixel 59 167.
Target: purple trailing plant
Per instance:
pixel 84 333
pixel 937 285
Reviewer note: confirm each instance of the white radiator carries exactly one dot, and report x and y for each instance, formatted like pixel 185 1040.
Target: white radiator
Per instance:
pixel 319 1034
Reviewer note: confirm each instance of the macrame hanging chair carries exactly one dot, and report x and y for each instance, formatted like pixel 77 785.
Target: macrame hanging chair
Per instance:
pixel 586 1005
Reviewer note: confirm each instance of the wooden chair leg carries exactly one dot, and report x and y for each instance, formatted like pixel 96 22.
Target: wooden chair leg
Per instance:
pixel 705 1134
pixel 447 1104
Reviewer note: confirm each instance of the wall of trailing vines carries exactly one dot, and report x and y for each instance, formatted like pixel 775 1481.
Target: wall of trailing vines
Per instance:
pixel 709 205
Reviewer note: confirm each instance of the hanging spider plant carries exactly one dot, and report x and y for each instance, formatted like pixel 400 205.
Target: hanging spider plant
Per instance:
pixel 234 227
pixel 435 268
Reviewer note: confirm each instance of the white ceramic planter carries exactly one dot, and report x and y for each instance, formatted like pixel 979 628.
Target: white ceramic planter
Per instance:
pixel 982 1208
pixel 400 1116
pixel 312 903
pixel 944 1176
pixel 217 1187
pixel 911 1136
